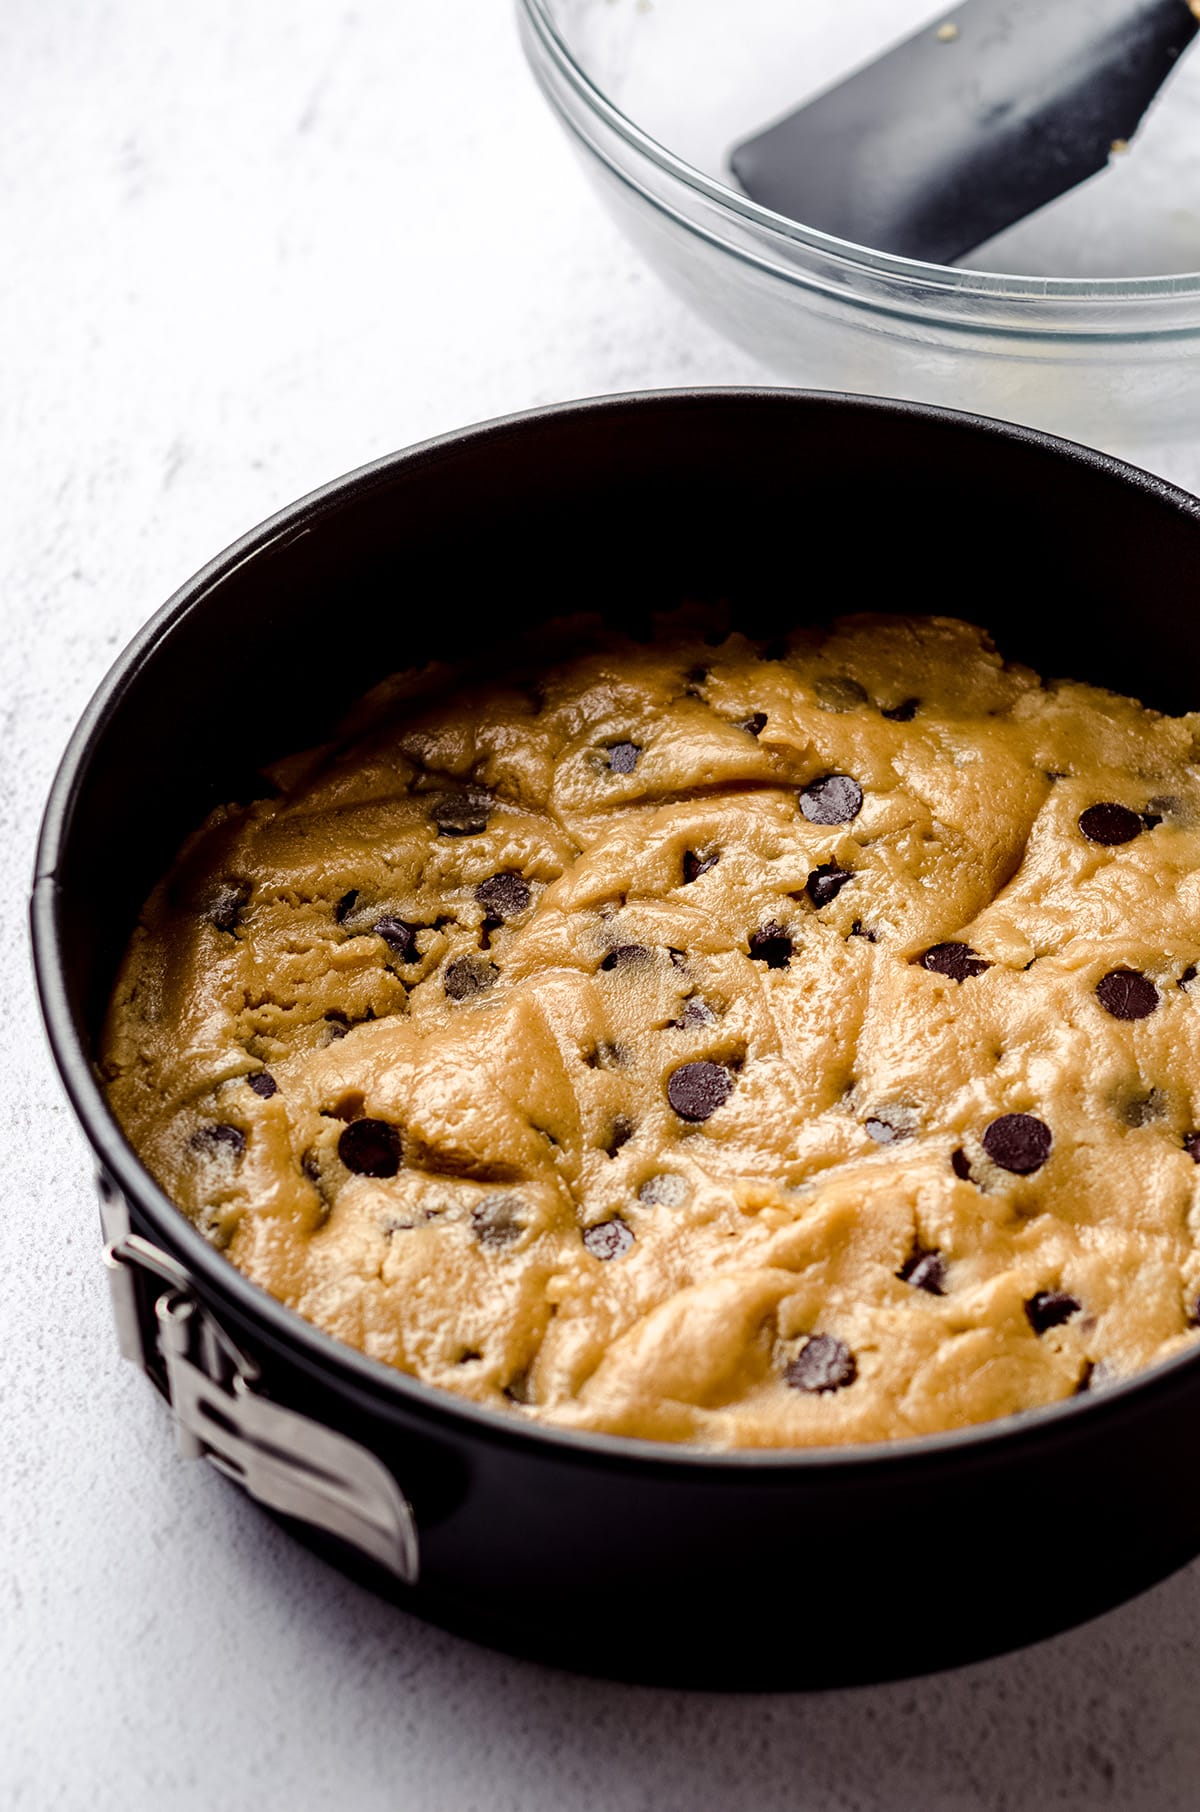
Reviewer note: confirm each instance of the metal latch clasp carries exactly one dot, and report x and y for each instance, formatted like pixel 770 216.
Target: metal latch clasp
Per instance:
pixel 286 1460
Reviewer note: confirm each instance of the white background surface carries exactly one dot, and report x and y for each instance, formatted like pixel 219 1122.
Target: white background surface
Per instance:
pixel 246 246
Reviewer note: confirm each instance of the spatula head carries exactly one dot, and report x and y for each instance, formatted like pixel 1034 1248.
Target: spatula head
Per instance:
pixel 990 112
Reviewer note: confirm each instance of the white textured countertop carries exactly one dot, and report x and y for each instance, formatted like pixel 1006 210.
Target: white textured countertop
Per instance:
pixel 245 247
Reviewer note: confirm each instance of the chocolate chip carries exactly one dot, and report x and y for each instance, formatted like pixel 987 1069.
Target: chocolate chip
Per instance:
pixel 620 1133
pixel 1049 1309
pixel 822 1364
pixel 626 956
pixel 504 896
pixel 219 1140
pixel 924 1271
pixel 345 906
pixel 1127 994
pixel 461 813
pixel 1110 824
pixel 496 1221
pixel 695 865
pixel 696 1012
pixel 772 946
pixel 755 725
pixel 609 1239
pixel 667 1190
pixel 1084 1383
pixel 1191 1144
pixel 904 712
pixel 697 1090
pixel 883 1132
pixel 227 904
pixel 957 961
pixel 840 694
pixel 825 883
pixel 263 1084
pixel 833 799
pixel 960 1164
pixel 370 1148
pixel 398 936
pixel 1188 976
pixel 623 756
pixel 469 976
pixel 1018 1142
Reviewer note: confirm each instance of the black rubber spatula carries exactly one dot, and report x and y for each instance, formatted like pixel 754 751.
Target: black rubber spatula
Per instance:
pixel 990 112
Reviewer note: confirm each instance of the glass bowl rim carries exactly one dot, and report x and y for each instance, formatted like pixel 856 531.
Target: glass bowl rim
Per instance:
pixel 1168 288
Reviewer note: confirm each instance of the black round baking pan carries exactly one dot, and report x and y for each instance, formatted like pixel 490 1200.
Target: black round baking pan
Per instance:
pixel 640 1560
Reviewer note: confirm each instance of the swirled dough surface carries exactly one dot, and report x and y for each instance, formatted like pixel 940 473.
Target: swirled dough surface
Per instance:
pixel 573 1043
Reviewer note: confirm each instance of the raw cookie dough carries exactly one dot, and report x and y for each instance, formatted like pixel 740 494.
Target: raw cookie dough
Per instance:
pixel 755 1046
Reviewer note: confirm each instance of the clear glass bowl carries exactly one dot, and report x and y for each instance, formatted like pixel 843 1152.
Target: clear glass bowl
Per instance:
pixel 654 92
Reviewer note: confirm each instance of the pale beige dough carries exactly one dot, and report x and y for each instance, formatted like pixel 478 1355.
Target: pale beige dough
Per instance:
pixel 536 1109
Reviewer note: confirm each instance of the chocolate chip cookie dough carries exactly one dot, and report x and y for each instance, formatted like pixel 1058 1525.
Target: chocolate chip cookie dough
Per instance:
pixel 701 1040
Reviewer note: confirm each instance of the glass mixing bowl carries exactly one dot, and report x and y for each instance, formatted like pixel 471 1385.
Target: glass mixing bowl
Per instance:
pixel 653 93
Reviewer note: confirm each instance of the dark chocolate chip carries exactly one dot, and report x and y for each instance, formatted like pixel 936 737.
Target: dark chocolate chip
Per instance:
pixel 755 725
pixel 504 896
pixel 833 799
pixel 620 1133
pixel 924 1271
pixel 904 712
pixel 823 1363
pixel 263 1084
pixel 226 906
pixel 1191 1144
pixel 840 694
pixel 883 1132
pixel 960 1164
pixel 469 976
pixel 370 1148
pixel 345 906
pixel 1049 1309
pixel 697 1090
pixel 623 756
pixel 1018 1142
pixel 695 865
pixel 772 946
pixel 609 1239
pixel 957 961
pixel 667 1190
pixel 626 956
pixel 398 936
pixel 1127 994
pixel 496 1221
pixel 825 883
pixel 1110 824
pixel 219 1140
pixel 461 814
pixel 1188 976
pixel 696 1012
